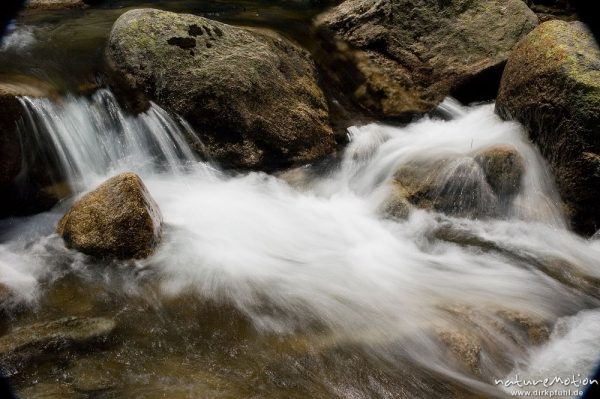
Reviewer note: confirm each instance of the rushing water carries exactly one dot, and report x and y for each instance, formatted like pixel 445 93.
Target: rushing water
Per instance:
pixel 299 286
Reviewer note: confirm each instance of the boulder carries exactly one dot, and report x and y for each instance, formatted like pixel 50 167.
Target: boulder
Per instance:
pixel 31 339
pixel 503 167
pixel 453 186
pixel 252 96
pixel 119 219
pixel 551 84
pixel 403 57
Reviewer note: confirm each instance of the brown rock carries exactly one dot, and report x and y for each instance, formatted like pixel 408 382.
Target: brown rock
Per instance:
pixel 26 340
pixel 402 57
pixel 119 219
pixel 252 96
pixel 4 295
pixel 464 347
pixel 454 186
pixel 52 5
pixel 503 167
pixel 551 85
pixel 24 190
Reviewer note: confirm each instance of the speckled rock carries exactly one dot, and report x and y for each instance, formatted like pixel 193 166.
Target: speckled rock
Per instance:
pixel 402 57
pixel 463 346
pixel 551 85
pixel 251 95
pixel 119 219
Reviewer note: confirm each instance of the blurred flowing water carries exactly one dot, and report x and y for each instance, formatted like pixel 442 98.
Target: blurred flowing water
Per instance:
pixel 298 285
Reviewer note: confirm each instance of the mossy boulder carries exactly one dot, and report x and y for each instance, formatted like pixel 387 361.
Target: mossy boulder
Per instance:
pixel 403 57
pixel 119 219
pixel 551 85
pixel 252 96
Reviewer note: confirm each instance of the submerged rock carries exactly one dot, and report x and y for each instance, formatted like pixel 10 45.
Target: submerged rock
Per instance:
pixel 49 391
pixel 51 5
pixel 536 328
pixel 503 167
pixel 403 57
pixel 251 95
pixel 463 346
pixel 551 84
pixel 455 187
pixel 471 186
pixel 26 340
pixel 93 375
pixel 119 219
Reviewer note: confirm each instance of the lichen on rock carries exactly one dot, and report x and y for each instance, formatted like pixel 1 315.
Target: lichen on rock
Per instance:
pixel 551 85
pixel 119 219
pixel 252 96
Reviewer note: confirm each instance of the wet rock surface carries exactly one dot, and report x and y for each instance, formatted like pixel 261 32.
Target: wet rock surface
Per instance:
pixel 455 187
pixel 5 295
pixel 49 391
pixel 27 186
pixel 119 219
pixel 252 96
pixel 402 57
pixel 463 346
pixel 503 167
pixel 52 5
pixel 551 85
pixel 474 186
pixel 27 340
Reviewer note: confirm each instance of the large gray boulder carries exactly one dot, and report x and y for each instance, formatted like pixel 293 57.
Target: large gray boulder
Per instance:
pixel 251 95
pixel 119 219
pixel 402 57
pixel 551 85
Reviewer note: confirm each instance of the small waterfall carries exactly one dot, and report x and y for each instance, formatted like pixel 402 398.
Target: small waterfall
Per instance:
pixel 323 255
pixel 376 152
pixel 92 138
